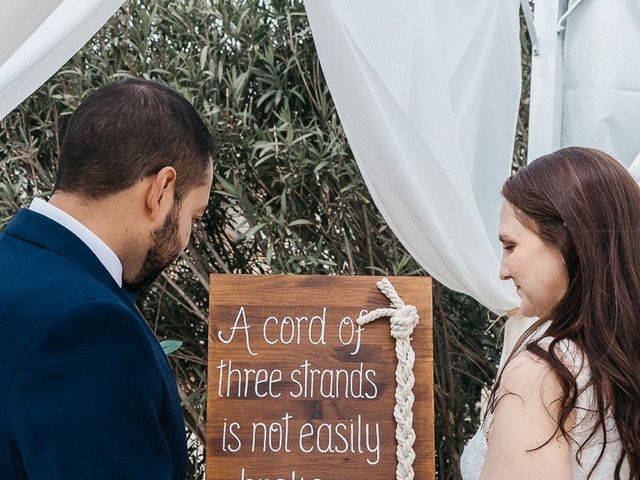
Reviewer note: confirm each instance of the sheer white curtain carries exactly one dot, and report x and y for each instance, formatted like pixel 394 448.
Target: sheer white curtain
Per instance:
pixel 585 85
pixel 39 36
pixel 427 92
pixel 601 100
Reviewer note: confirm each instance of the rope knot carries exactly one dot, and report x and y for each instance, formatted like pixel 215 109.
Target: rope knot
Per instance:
pixel 404 321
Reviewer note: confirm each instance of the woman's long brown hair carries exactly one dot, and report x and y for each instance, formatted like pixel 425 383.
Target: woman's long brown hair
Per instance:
pixel 583 202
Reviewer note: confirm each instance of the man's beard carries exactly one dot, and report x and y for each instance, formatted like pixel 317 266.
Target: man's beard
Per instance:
pixel 165 248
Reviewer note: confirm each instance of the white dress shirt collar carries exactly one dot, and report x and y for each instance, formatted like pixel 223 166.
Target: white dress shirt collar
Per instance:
pixel 100 249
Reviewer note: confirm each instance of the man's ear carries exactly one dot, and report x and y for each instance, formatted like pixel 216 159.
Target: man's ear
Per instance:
pixel 160 193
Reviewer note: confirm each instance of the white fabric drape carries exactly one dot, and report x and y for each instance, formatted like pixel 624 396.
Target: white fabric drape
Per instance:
pixel 39 36
pixel 428 93
pixel 601 99
pixel 585 84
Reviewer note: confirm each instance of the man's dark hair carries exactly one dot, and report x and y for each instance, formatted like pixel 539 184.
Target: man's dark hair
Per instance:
pixel 129 130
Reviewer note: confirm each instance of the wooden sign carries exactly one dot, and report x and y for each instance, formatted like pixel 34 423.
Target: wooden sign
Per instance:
pixel 298 391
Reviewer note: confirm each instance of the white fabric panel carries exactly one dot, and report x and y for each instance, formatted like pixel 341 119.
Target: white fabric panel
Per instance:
pixel 545 97
pixel 427 93
pixel 601 102
pixel 56 39
pixel 19 19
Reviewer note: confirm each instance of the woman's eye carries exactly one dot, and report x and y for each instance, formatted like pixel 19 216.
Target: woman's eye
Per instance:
pixel 508 248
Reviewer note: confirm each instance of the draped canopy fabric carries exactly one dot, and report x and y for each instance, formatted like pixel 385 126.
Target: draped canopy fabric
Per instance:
pixel 585 84
pixel 601 99
pixel 428 95
pixel 38 37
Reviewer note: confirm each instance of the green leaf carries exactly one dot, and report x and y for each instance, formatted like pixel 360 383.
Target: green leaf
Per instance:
pixel 253 230
pixel 203 57
pixel 300 222
pixel 170 346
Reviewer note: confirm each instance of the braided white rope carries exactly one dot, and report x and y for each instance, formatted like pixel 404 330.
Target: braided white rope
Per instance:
pixel 404 319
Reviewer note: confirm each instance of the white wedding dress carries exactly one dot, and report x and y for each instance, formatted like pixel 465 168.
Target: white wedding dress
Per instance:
pixel 474 453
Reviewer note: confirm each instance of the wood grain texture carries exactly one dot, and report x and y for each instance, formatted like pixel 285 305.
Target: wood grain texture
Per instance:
pixel 335 406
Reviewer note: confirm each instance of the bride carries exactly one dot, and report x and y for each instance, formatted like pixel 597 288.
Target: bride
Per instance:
pixel 566 405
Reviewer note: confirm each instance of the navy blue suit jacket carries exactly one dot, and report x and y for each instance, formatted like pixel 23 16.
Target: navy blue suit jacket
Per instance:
pixel 86 391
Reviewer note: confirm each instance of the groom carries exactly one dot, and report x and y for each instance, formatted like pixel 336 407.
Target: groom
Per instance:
pixel 86 391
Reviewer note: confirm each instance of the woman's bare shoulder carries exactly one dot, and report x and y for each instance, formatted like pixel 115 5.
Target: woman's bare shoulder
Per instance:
pixel 524 420
pixel 527 372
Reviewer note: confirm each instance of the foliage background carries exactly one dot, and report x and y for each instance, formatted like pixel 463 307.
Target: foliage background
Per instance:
pixel 288 197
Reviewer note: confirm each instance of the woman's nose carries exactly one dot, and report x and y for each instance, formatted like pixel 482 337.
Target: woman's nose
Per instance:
pixel 504 271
